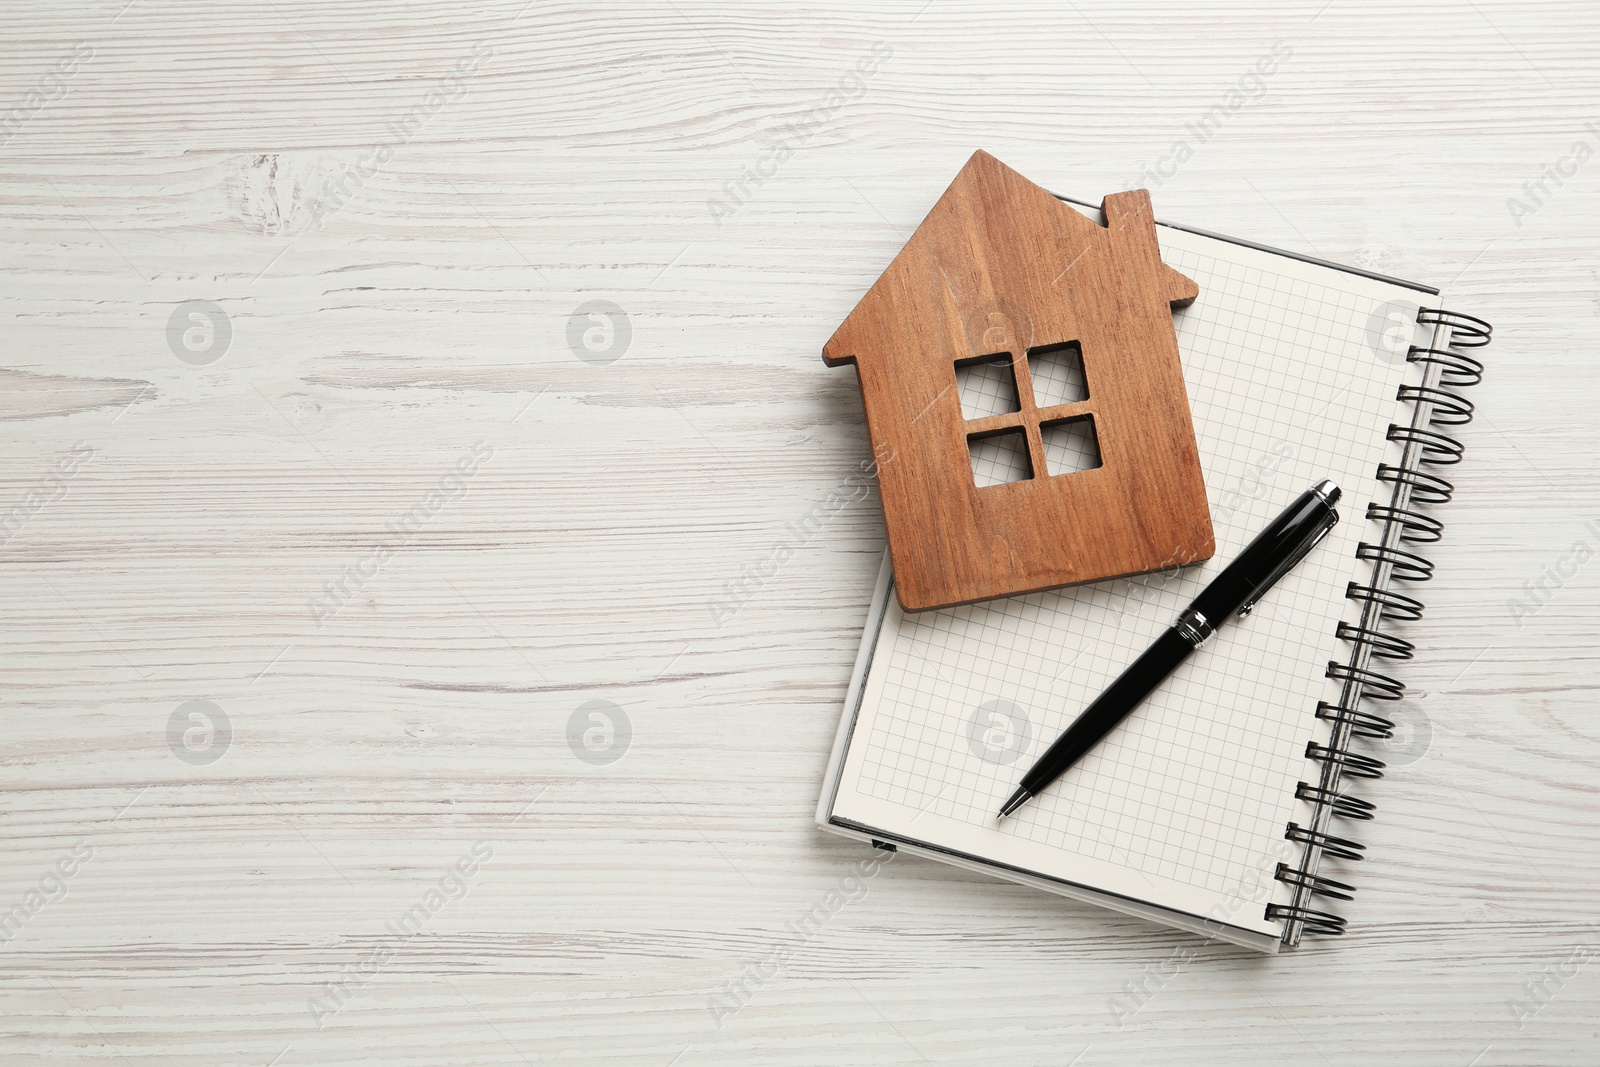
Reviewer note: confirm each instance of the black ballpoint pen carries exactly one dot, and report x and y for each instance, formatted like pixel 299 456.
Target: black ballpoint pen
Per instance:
pixel 1263 562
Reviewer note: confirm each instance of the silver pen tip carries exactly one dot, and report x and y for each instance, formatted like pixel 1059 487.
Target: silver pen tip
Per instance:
pixel 1019 798
pixel 1328 491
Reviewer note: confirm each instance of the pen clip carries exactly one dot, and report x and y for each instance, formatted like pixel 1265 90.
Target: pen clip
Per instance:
pixel 1288 564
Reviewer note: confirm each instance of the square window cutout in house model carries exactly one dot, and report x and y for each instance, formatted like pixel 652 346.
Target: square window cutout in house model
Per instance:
pixel 1020 375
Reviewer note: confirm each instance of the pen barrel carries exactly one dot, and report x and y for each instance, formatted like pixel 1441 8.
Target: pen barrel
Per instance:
pixel 1262 561
pixel 1109 708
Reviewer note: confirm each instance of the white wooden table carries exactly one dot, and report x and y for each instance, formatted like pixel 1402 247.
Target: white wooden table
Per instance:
pixel 400 513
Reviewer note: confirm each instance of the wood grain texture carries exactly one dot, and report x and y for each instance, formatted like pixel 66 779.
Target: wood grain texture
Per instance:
pixel 639 534
pixel 1002 272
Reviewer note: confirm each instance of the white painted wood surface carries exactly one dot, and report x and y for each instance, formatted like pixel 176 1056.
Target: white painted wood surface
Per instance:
pixel 572 159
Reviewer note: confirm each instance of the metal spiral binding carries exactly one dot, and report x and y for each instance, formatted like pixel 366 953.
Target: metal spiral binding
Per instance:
pixel 1410 485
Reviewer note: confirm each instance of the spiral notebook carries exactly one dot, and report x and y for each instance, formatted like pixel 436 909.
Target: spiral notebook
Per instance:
pixel 1220 805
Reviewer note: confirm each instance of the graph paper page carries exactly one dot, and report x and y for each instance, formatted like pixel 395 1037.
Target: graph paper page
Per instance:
pixel 1291 370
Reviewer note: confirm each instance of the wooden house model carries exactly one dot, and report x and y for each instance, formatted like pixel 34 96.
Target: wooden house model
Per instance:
pixel 1078 414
